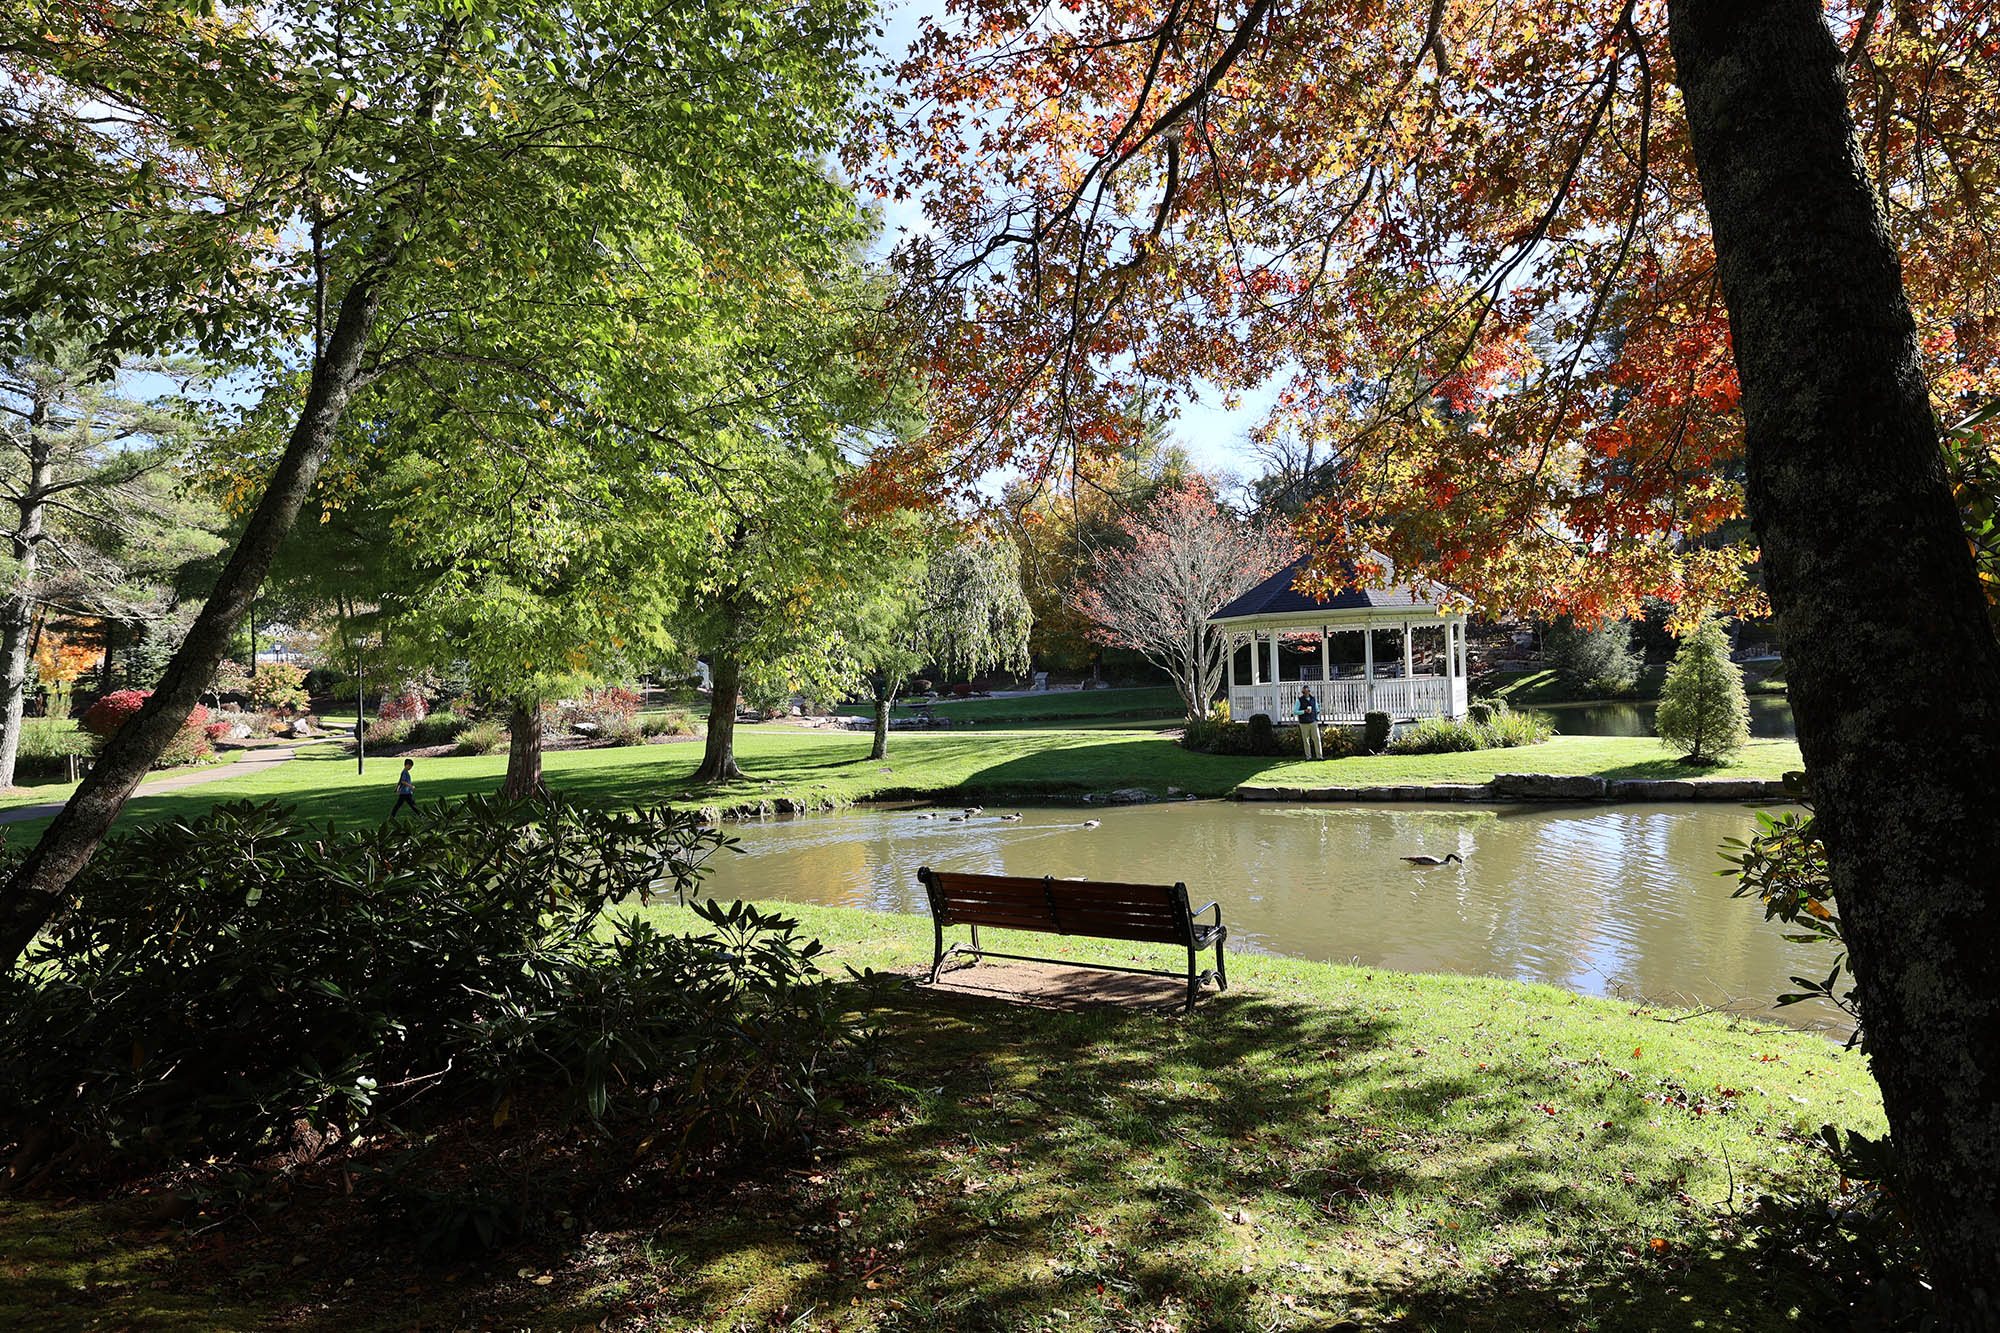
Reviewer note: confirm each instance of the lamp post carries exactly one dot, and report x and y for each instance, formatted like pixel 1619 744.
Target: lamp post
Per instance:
pixel 360 700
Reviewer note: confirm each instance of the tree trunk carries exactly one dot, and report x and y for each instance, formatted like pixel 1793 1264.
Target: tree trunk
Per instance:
pixel 17 613
pixel 105 668
pixel 884 701
pixel 16 627
pixel 718 760
pixel 1893 668
pixel 524 752
pixel 42 881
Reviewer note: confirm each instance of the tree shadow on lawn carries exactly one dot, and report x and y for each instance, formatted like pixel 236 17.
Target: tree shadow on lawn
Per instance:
pixel 1264 1163
pixel 1094 766
pixel 1267 1162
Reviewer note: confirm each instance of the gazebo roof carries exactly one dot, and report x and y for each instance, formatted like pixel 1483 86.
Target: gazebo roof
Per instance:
pixel 1276 596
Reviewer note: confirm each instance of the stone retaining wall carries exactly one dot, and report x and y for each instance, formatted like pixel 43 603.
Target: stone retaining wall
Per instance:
pixel 1536 787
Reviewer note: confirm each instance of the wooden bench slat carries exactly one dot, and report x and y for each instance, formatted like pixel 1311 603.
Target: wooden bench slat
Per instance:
pixel 953 883
pixel 1011 920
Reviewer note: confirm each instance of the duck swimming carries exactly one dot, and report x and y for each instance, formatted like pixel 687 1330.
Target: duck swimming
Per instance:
pixel 1435 860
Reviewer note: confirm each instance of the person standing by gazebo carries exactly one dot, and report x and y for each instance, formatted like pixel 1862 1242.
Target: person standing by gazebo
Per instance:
pixel 1306 710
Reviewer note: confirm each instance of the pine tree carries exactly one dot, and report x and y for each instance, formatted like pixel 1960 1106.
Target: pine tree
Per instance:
pixel 1703 711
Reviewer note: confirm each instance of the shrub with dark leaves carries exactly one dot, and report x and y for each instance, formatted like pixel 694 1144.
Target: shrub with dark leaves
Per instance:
pixel 228 986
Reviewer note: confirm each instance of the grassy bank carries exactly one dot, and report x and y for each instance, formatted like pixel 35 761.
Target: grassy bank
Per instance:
pixel 1321 1147
pixel 834 768
pixel 1542 687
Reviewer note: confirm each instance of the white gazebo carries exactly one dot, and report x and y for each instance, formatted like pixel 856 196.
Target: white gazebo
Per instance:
pixel 1393 649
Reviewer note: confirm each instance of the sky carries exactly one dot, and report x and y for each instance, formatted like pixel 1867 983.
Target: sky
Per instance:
pixel 1214 435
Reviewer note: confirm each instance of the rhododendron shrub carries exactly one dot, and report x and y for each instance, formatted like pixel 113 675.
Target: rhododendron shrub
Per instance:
pixel 190 744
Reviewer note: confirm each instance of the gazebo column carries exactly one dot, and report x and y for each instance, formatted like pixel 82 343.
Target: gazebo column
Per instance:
pixel 1229 664
pixel 1325 665
pixel 1276 676
pixel 1409 659
pixel 1451 667
pixel 1368 662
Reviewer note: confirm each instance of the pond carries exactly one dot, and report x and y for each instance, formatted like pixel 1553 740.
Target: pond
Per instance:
pixel 1608 900
pixel 1770 716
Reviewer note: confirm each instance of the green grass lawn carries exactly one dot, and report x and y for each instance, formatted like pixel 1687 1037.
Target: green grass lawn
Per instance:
pixel 1159 702
pixel 831 766
pixel 1321 1147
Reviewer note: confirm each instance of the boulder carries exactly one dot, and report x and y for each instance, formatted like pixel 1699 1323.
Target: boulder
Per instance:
pixel 1548 787
pixel 238 731
pixel 1132 796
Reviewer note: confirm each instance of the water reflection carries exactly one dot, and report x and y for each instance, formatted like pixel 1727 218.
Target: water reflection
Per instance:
pixel 1769 717
pixel 1602 899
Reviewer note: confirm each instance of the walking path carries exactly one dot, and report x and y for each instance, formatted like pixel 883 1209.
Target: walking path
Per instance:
pixel 253 761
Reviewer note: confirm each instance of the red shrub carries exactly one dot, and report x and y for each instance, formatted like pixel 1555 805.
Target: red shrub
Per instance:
pixel 408 706
pixel 113 711
pixel 614 702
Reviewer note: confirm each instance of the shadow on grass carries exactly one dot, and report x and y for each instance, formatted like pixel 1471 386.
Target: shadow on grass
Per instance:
pixel 1120 1166
pixel 1267 1162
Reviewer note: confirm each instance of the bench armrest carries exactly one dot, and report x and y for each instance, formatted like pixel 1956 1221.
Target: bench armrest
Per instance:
pixel 1216 907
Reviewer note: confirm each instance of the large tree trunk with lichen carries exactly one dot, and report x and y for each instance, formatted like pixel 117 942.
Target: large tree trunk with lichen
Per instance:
pixel 43 878
pixel 524 752
pixel 718 760
pixel 1893 668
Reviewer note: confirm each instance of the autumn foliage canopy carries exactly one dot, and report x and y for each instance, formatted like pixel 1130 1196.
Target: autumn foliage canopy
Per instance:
pixel 1461 245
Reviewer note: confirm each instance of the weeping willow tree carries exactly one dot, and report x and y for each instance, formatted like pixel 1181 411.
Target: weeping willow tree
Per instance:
pixel 964 614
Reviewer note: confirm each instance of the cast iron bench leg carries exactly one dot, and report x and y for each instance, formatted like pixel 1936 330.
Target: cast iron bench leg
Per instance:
pixel 1221 968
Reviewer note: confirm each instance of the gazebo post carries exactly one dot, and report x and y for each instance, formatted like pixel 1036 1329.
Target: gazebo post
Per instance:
pixel 1450 669
pixel 1409 659
pixel 1368 660
pixel 1229 658
pixel 1325 665
pixel 1276 675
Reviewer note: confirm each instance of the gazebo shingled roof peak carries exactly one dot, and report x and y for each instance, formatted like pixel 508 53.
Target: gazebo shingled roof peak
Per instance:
pixel 1276 596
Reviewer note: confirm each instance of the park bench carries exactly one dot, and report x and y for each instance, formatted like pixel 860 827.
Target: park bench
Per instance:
pixel 1149 913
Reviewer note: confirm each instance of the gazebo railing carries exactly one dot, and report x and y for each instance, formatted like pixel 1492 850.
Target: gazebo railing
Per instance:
pixel 1346 701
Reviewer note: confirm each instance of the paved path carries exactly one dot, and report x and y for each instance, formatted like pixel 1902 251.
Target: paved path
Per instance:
pixel 252 762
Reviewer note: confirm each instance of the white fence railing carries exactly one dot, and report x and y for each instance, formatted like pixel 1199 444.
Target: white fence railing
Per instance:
pixel 1352 700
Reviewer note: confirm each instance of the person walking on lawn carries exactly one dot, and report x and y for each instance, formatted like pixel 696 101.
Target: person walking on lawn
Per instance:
pixel 1307 711
pixel 406 790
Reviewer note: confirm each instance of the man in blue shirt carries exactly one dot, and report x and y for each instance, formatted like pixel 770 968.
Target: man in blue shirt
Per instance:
pixel 1307 712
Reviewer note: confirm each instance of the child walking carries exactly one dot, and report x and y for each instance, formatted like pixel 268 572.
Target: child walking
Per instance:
pixel 406 790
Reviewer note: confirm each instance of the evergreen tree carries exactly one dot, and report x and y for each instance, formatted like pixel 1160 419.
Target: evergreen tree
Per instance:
pixel 1597 661
pixel 1703 711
